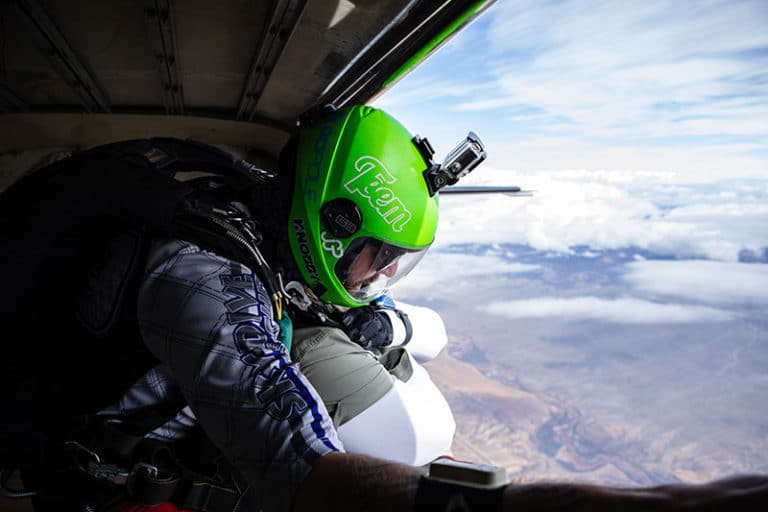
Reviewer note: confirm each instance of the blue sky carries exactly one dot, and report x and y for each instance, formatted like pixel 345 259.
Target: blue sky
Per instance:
pixel 677 87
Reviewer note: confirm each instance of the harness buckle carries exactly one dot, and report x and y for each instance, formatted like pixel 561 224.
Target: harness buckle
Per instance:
pixel 297 296
pixel 118 475
pixel 151 470
pixel 79 450
pixel 111 472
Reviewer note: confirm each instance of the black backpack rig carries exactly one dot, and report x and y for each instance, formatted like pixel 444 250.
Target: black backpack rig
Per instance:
pixel 56 369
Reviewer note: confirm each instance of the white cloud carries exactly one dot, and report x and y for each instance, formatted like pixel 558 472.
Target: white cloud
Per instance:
pixel 611 210
pixel 624 310
pixel 709 281
pixel 439 272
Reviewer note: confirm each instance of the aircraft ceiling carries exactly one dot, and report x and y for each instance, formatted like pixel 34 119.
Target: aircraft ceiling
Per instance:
pixel 68 68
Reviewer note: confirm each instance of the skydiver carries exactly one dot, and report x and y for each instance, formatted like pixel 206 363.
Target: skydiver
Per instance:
pixel 350 215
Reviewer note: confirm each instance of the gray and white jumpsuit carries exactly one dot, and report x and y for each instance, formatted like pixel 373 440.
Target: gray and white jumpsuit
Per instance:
pixel 209 320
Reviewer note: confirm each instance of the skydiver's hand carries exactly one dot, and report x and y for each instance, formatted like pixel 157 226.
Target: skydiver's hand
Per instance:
pixel 368 327
pixel 372 327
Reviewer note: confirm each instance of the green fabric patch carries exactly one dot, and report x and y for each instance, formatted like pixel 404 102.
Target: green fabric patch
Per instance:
pixel 286 331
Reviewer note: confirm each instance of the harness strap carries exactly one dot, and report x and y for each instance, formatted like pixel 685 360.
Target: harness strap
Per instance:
pixel 191 494
pixel 209 497
pixel 161 473
pixel 408 326
pixel 159 477
pixel 152 490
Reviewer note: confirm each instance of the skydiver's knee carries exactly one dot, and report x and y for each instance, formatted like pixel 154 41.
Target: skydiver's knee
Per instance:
pixel 348 378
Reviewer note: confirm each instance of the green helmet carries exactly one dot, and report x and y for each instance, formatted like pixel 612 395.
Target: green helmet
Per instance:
pixel 362 214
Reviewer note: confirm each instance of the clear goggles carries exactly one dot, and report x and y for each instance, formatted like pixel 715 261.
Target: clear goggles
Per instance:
pixel 369 267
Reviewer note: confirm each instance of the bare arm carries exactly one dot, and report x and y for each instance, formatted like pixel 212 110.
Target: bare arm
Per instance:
pixel 346 482
pixel 342 482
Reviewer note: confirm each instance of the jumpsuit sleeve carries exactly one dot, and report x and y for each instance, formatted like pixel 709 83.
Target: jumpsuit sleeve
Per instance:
pixel 210 321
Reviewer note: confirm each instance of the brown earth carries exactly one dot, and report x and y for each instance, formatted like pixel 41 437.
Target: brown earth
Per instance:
pixel 532 435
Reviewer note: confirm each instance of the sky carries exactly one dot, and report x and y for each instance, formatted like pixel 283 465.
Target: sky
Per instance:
pixel 640 261
pixel 677 87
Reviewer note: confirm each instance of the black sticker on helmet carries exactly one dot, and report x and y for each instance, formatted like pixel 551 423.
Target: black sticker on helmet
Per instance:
pixel 341 217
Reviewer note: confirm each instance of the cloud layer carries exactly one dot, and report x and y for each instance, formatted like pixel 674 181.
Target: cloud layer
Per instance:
pixel 709 281
pixel 623 310
pixel 612 211
pixel 440 272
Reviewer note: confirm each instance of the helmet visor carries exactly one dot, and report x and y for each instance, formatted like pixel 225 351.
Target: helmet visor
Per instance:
pixel 369 267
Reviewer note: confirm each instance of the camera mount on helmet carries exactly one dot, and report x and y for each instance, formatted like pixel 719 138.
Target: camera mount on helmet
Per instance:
pixel 460 161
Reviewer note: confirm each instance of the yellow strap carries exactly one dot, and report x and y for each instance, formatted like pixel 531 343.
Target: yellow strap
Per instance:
pixel 277 300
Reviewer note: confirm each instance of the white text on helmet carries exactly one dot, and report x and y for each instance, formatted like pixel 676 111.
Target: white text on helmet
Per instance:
pixel 332 245
pixel 369 183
